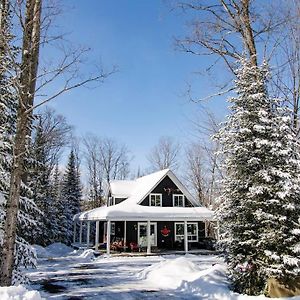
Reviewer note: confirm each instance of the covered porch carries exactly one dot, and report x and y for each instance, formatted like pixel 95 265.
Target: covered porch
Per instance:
pixel 142 228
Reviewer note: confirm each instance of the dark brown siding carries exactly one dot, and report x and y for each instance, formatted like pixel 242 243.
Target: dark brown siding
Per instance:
pixel 167 188
pixel 119 200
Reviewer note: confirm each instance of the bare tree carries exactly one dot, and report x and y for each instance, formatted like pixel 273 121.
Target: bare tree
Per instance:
pixel 94 169
pixel 195 171
pixel 56 134
pixel 229 30
pixel 106 160
pixel 29 83
pixel 286 73
pixel 203 167
pixel 114 158
pixel 165 154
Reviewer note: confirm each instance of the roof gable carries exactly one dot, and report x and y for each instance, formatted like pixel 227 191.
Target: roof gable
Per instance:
pixel 137 190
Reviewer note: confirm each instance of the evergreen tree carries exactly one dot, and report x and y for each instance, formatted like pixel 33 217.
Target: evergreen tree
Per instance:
pixel 24 255
pixel 58 207
pixel 71 195
pixel 260 211
pixel 39 182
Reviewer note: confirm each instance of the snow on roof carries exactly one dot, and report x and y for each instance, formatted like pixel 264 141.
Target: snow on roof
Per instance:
pixel 136 190
pixel 127 211
pixel 122 188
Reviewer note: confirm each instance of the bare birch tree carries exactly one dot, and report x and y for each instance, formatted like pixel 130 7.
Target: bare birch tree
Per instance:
pixel 165 154
pixel 29 14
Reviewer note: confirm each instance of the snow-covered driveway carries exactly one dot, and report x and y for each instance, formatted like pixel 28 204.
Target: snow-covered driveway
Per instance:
pixel 76 276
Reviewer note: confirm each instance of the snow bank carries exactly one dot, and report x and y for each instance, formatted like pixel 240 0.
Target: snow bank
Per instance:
pixel 185 276
pixel 58 249
pixel 40 251
pixel 18 293
pixel 87 254
pixel 171 272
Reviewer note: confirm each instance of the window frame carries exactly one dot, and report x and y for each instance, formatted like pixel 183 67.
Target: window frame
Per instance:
pixel 160 199
pixel 183 200
pixel 154 244
pixel 180 237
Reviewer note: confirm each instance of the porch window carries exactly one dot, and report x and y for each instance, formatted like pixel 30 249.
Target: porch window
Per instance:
pixel 142 234
pixel 192 232
pixel 155 199
pixel 178 200
pixel 112 228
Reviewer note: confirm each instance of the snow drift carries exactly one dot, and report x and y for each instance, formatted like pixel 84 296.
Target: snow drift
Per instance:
pixel 18 293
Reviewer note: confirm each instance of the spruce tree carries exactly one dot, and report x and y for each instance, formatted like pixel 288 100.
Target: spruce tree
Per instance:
pixel 71 195
pixel 260 211
pixel 59 222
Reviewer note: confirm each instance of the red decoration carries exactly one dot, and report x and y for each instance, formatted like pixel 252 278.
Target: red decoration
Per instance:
pixel 165 231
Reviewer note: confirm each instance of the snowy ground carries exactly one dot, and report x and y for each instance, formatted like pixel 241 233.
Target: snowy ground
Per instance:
pixel 66 274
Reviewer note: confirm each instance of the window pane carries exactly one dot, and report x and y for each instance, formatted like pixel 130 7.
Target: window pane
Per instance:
pixel 192 229
pixel 179 229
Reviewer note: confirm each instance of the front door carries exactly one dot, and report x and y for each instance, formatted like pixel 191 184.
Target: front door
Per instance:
pixel 142 234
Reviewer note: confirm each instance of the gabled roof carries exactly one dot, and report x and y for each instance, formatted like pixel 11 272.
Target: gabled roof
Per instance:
pixel 137 190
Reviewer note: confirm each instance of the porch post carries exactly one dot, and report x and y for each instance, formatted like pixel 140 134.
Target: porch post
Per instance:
pixel 74 232
pixel 80 233
pixel 97 236
pixel 125 235
pixel 205 226
pixel 88 235
pixel 108 237
pixel 148 237
pixel 186 243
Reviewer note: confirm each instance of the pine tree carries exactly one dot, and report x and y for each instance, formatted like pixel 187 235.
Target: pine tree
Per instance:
pixel 59 223
pixel 261 195
pixel 71 195
pixel 39 182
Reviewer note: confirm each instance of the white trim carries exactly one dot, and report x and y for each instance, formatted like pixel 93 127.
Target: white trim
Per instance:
pixel 97 235
pixel 183 200
pixel 155 194
pixel 182 235
pixel 108 237
pixel 155 232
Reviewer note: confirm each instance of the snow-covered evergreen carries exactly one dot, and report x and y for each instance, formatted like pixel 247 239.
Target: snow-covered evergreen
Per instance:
pixel 71 196
pixel 24 255
pixel 260 211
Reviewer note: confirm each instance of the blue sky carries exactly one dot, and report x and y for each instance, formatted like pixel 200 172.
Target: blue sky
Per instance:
pixel 144 100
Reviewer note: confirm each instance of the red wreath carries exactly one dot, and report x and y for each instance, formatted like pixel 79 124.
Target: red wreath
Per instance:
pixel 165 231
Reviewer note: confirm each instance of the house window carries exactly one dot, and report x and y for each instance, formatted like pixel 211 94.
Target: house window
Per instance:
pixel 112 228
pixel 142 234
pixel 192 232
pixel 155 199
pixel 178 200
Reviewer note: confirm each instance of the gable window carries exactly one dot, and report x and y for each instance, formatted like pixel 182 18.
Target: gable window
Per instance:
pixel 155 199
pixel 178 200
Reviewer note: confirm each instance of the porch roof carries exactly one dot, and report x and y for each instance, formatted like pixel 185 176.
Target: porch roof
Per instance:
pixel 125 211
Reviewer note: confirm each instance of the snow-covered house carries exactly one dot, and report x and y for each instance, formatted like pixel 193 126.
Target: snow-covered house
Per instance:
pixel 153 211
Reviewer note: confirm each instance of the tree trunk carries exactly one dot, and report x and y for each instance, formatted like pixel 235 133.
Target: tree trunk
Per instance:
pixel 27 83
pixel 248 32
